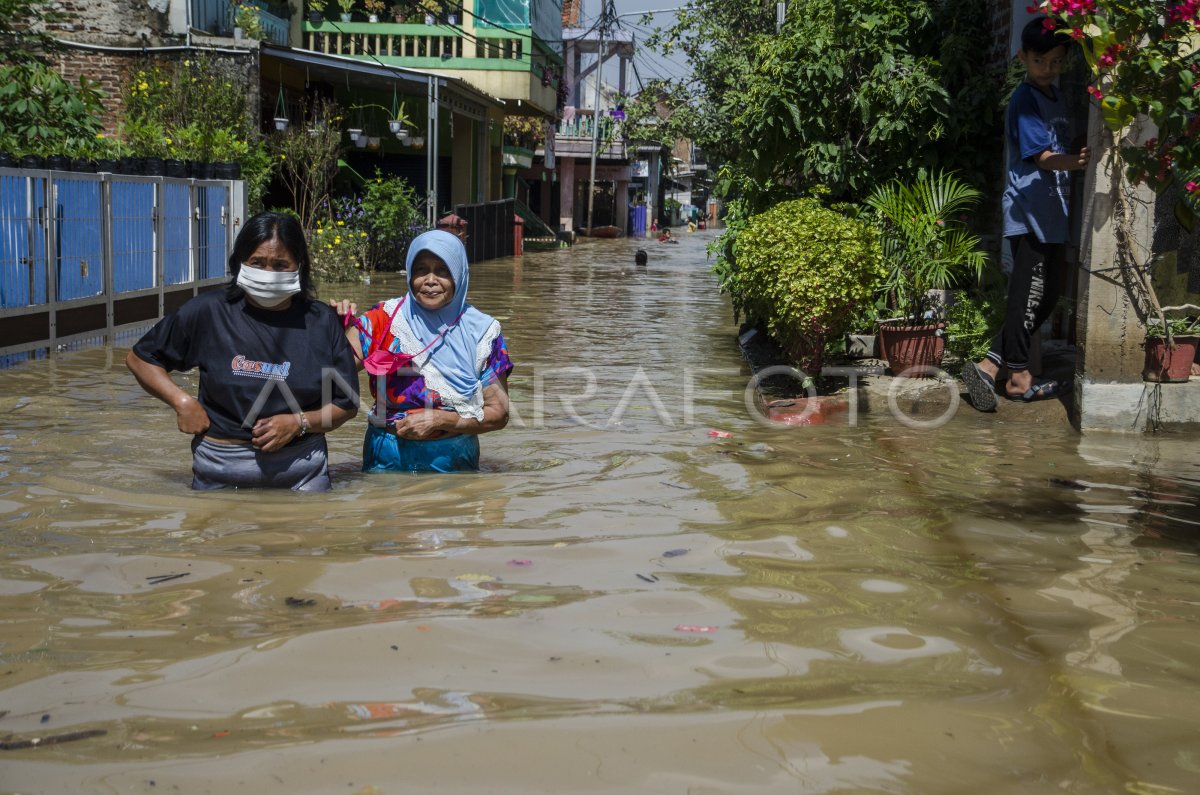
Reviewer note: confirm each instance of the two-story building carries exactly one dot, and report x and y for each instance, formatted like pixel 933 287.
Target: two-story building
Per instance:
pixel 454 71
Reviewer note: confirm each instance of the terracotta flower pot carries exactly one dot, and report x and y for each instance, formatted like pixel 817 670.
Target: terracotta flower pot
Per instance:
pixel 913 351
pixel 1169 365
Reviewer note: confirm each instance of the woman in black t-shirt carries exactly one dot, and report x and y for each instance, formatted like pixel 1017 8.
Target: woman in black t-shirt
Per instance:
pixel 276 372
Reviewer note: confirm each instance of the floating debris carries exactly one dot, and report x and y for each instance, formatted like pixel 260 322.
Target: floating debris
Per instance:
pixel 720 434
pixel 694 628
pixel 674 553
pixel 651 578
pixel 159 579
pixel 295 601
pixel 53 739
pixel 520 562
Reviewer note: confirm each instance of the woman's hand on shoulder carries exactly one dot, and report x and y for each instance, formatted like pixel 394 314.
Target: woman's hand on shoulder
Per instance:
pixel 343 306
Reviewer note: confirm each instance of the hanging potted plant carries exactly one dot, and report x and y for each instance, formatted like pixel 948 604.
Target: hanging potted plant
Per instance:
pixel 1170 349
pixel 281 117
pixel 399 119
pixel 374 9
pixel 926 248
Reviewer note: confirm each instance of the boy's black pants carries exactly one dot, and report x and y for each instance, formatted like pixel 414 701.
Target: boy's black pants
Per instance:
pixel 1033 290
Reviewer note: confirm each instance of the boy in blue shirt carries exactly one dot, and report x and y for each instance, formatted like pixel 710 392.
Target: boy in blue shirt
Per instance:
pixel 1035 217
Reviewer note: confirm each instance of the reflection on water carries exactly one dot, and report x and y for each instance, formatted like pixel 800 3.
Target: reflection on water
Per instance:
pixel 619 602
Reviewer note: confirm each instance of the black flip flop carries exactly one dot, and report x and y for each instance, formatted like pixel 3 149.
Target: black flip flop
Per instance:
pixel 1043 391
pixel 981 387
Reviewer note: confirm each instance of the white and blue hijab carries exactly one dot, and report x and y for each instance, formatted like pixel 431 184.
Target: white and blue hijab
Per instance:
pixel 454 364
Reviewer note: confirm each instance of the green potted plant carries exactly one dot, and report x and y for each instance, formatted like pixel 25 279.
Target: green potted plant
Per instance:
pixel 802 273
pixel 374 9
pixel 347 6
pixel 926 247
pixel 1170 349
pixel 246 22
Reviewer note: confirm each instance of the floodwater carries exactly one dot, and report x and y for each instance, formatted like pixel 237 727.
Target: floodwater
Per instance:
pixel 619 603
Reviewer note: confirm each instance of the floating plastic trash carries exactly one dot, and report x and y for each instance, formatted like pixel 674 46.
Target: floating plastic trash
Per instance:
pixel 694 628
pixel 720 434
pixel 674 553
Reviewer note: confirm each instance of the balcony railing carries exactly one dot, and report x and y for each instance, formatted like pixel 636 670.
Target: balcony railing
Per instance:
pixel 581 127
pixel 421 45
pixel 216 17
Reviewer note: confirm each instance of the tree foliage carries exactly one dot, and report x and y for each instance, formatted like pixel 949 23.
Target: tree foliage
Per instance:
pixel 1145 63
pixel 40 111
pixel 849 95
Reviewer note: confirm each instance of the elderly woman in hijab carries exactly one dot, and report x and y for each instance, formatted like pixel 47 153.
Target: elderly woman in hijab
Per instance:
pixel 438 366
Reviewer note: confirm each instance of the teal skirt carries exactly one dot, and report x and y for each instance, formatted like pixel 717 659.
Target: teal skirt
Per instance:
pixel 383 451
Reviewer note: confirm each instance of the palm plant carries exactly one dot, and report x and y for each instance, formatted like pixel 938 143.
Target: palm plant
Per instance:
pixel 925 242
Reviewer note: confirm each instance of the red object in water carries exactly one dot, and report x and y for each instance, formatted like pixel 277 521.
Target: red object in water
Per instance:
pixel 806 411
pixel 518 235
pixel 455 225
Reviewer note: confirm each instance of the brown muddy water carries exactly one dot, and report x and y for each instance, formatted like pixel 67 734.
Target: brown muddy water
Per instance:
pixel 618 603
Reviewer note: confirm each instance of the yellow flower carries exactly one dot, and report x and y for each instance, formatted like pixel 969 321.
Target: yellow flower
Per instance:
pixel 143 86
pixel 283 157
pixel 362 234
pixel 338 239
pixel 341 223
pixel 169 142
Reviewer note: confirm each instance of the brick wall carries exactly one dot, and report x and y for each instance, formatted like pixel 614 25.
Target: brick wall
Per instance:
pixel 123 23
pixel 114 70
pixel 110 70
pixel 570 13
pixel 117 23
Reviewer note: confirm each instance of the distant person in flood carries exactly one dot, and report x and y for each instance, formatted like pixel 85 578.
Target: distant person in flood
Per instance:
pixel 640 257
pixel 691 225
pixel 266 351
pixel 442 363
pixel 665 237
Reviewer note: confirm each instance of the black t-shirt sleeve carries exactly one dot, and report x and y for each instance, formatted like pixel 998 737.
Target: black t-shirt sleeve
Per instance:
pixel 343 361
pixel 169 344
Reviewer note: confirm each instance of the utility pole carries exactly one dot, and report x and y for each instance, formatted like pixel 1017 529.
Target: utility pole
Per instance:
pixel 606 19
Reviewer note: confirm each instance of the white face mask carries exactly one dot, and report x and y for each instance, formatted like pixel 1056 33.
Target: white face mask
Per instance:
pixel 269 289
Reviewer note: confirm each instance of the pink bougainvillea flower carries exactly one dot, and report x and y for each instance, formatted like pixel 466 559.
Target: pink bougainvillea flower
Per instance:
pixel 1095 92
pixel 1076 33
pixel 1192 187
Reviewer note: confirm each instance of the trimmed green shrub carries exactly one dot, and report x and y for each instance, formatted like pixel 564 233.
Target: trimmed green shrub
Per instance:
pixel 802 271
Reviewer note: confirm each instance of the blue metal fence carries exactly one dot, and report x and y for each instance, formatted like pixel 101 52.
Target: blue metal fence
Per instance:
pixel 177 218
pixel 132 235
pixel 82 254
pixel 79 249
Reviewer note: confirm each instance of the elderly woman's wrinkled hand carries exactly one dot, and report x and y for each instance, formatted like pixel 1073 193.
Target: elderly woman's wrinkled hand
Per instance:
pixel 424 424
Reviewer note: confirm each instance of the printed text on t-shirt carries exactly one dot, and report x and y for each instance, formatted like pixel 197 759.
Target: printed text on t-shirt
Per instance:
pixel 243 366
